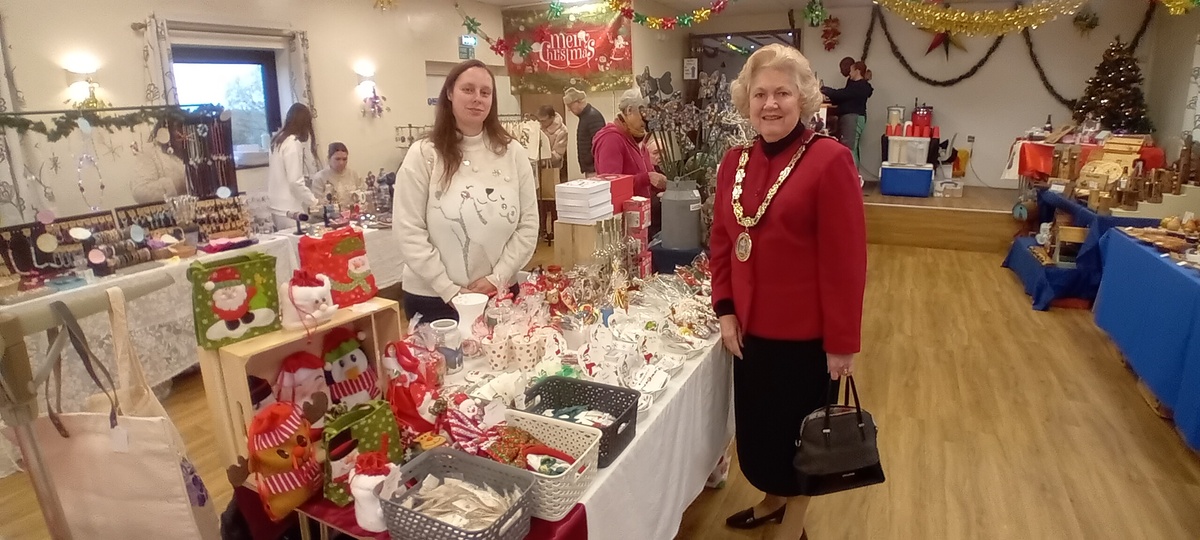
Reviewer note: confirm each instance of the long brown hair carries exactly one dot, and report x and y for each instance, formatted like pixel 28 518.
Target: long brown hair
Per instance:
pixel 445 135
pixel 299 122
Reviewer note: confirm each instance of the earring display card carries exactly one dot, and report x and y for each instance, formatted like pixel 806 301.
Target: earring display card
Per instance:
pixel 208 153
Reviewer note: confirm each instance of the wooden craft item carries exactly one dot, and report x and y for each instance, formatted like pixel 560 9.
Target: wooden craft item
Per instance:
pixel 1105 203
pixel 1059 133
pixel 1056 167
pixel 1185 161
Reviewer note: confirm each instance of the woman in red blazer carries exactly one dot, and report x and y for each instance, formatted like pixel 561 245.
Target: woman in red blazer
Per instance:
pixel 789 260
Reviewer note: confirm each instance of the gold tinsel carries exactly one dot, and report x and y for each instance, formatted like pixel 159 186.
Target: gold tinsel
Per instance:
pixel 940 18
pixel 385 4
pixel 1178 7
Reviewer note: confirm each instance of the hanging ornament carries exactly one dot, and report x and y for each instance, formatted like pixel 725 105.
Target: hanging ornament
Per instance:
pixel 686 20
pixel 523 47
pixel 815 13
pixel 669 23
pixel 384 5
pixel 501 47
pixel 556 9
pixel 943 40
pixel 1179 7
pixel 831 33
pixel 471 25
pixel 1085 21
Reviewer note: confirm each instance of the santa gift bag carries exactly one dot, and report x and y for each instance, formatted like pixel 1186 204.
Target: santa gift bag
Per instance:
pixel 121 466
pixel 234 299
pixel 341 255
pixel 368 427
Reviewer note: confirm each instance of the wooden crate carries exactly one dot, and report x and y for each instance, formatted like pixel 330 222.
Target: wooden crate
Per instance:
pixel 577 244
pixel 225 370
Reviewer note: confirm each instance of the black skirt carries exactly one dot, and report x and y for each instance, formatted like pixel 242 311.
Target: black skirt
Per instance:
pixel 775 385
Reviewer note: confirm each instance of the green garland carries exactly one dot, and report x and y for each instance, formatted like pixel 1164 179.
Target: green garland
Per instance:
pixel 62 126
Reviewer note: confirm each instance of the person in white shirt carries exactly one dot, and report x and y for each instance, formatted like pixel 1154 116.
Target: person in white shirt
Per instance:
pixel 290 164
pixel 465 210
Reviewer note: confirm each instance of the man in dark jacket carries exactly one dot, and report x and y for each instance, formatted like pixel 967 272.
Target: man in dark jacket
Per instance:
pixel 590 122
pixel 851 103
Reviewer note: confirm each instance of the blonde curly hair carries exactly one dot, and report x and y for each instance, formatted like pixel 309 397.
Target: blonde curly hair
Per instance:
pixel 787 59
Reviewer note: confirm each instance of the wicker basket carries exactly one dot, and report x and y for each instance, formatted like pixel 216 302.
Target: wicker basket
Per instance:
pixel 554 496
pixel 405 524
pixel 559 392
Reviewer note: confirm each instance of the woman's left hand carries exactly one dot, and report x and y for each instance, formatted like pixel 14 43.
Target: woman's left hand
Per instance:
pixel 840 365
pixel 483 286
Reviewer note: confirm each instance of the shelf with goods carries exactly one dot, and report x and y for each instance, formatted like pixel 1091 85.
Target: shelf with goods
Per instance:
pixel 225 370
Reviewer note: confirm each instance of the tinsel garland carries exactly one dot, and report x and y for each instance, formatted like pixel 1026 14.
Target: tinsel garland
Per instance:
pixel 943 18
pixel 62 126
pixel 1179 7
pixel 684 20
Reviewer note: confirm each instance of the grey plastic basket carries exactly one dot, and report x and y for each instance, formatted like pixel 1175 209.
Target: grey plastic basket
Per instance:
pixel 405 524
pixel 557 392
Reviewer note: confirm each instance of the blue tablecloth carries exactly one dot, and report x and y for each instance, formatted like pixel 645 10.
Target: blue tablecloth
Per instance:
pixel 1088 262
pixel 1044 284
pixel 1150 307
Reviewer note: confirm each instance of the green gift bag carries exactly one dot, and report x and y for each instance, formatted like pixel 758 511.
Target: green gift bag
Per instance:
pixel 234 299
pixel 360 430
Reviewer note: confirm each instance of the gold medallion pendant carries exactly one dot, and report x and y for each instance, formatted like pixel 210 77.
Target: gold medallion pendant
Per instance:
pixel 743 247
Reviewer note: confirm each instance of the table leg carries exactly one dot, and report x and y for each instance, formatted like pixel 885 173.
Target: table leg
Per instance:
pixel 324 532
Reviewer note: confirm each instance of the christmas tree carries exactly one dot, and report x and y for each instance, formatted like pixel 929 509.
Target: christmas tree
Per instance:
pixel 1114 95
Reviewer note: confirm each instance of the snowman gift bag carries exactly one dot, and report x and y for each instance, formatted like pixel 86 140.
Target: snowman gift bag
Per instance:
pixel 234 299
pixel 342 256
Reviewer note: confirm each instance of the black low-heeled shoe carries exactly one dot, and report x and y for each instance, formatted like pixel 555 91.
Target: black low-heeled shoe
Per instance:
pixel 746 520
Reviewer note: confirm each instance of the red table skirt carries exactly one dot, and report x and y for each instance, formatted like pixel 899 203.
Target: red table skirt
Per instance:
pixel 1037 159
pixel 571 527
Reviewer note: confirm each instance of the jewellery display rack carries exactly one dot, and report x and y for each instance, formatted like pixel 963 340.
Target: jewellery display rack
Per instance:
pixel 155 218
pixel 37 268
pixel 207 143
pixel 224 218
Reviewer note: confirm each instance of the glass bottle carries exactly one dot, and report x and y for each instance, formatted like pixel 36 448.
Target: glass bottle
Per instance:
pixel 448 342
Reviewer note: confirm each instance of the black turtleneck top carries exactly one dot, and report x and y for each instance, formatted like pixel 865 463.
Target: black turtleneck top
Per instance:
pixel 773 149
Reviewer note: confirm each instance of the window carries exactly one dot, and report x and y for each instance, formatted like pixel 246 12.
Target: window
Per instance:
pixel 245 81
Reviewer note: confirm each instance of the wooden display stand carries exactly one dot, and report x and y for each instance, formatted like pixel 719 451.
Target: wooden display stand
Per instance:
pixel 225 370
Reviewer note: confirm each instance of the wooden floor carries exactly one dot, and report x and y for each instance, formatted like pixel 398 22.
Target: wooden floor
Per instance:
pixel 996 422
pixel 974 198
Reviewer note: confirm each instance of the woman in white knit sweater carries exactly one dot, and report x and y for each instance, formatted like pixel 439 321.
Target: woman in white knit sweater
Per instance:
pixel 465 209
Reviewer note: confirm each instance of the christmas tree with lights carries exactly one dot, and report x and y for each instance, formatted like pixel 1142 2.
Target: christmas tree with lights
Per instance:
pixel 1114 95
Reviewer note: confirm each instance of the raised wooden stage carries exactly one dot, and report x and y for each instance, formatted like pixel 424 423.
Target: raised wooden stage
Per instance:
pixel 981 220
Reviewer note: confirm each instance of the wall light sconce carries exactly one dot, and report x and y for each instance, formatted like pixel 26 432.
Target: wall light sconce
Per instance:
pixel 81 91
pixel 374 105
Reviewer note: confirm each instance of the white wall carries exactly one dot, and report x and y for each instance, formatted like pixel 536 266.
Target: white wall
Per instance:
pixel 1174 42
pixel 997 105
pixel 341 33
pixel 660 50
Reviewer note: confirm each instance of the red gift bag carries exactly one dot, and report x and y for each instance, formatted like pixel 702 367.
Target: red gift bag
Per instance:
pixel 342 256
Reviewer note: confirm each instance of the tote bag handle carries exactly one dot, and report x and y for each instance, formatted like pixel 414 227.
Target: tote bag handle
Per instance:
pixel 851 390
pixel 90 364
pixel 129 369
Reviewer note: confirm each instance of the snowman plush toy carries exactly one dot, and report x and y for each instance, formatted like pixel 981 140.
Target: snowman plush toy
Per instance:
pixel 348 372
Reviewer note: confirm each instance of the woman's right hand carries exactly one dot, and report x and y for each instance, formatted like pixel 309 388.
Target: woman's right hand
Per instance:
pixel 731 334
pixel 658 180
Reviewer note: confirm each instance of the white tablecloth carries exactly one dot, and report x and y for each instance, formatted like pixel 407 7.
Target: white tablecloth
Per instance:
pixel 160 323
pixel 643 494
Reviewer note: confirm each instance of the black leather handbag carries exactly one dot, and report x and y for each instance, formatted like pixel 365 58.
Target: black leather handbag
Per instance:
pixel 836 450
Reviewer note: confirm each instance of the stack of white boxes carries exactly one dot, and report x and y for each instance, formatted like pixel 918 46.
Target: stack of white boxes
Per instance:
pixel 583 202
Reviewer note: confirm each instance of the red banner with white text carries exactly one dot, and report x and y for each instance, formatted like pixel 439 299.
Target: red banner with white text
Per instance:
pixel 588 47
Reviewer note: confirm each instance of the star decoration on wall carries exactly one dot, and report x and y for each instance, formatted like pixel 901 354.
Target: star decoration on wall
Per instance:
pixel 55 165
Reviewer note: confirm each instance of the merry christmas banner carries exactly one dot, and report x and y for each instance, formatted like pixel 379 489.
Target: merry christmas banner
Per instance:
pixel 586 47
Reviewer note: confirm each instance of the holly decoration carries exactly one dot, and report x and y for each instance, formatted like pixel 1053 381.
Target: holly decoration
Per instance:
pixel 523 47
pixel 815 13
pixel 471 25
pixel 556 9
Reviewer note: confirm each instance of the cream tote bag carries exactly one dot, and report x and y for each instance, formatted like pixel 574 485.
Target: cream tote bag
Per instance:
pixel 121 468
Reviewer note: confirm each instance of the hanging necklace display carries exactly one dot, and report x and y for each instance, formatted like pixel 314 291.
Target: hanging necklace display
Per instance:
pixel 744 242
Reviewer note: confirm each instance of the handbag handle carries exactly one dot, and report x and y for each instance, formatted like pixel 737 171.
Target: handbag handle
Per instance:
pixel 90 362
pixel 852 389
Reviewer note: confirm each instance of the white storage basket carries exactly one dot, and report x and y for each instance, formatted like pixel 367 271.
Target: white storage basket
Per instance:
pixel 554 496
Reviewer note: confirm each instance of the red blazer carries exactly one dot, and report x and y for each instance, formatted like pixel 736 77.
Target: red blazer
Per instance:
pixel 808 267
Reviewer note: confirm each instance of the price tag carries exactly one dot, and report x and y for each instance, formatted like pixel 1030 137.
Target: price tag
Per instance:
pixel 519 401
pixel 119 439
pixel 1181 263
pixel 696 193
pixel 1188 216
pixel 1165 255
pixel 696 207
pixel 1058 188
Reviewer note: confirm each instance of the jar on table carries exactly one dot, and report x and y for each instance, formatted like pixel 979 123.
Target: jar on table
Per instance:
pixel 448 342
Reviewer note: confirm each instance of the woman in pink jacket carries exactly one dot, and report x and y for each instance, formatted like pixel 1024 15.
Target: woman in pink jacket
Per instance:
pixel 617 151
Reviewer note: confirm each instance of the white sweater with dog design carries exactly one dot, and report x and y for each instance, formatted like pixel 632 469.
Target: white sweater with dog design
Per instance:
pixel 484 224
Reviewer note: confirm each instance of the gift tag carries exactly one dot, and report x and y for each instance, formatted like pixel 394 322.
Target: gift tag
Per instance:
pixel 119 439
pixel 493 413
pixel 519 401
pixel 1058 188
